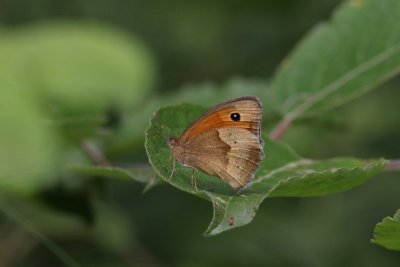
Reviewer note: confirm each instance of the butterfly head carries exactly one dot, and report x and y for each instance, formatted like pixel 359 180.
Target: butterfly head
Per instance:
pixel 178 150
pixel 171 141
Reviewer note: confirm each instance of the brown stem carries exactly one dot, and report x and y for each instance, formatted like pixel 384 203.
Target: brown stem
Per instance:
pixel 94 153
pixel 280 129
pixel 393 165
pixel 132 165
pixel 13 245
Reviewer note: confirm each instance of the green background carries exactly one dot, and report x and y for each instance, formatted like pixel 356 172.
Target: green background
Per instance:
pixel 70 65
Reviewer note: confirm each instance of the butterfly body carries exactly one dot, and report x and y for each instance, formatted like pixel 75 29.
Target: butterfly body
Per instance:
pixel 224 142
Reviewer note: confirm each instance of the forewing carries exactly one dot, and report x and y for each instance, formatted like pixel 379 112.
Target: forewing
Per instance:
pixel 249 108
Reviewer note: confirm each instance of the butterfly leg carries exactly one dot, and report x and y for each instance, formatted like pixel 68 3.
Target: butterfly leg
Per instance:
pixel 194 184
pixel 172 172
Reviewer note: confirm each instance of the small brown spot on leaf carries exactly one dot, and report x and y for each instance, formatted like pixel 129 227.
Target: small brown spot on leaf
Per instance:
pixel 231 220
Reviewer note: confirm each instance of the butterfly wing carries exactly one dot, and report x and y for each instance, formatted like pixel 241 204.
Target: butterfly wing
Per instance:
pixel 248 108
pixel 222 146
pixel 233 154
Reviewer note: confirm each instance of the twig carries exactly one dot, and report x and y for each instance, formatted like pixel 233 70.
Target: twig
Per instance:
pixel 94 153
pixel 13 245
pixel 393 165
pixel 280 129
pixel 138 165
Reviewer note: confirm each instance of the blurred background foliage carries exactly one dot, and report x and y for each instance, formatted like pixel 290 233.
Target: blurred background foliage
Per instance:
pixel 77 74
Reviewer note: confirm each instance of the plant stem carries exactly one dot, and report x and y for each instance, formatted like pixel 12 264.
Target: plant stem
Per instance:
pixel 138 165
pixel 94 153
pixel 280 129
pixel 393 165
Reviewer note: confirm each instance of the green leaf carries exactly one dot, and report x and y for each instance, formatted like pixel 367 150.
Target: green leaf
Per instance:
pixel 340 60
pixel 77 71
pixel 77 127
pixel 144 175
pixel 387 232
pixel 282 173
pixel 29 149
pixel 297 178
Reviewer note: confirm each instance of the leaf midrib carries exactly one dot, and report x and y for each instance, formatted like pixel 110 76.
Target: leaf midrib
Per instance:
pixel 343 80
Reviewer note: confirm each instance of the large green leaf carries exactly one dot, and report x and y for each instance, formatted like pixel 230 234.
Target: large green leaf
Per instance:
pixel 282 173
pixel 78 65
pixel 76 72
pixel 342 59
pixel 387 232
pixel 29 149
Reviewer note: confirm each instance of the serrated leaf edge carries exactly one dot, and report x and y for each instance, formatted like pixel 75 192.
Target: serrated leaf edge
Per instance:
pixel 395 218
pixel 288 166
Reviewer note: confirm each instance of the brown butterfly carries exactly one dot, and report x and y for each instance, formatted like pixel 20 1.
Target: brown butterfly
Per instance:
pixel 224 142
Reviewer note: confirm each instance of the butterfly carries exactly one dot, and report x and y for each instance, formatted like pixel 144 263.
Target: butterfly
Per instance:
pixel 224 142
